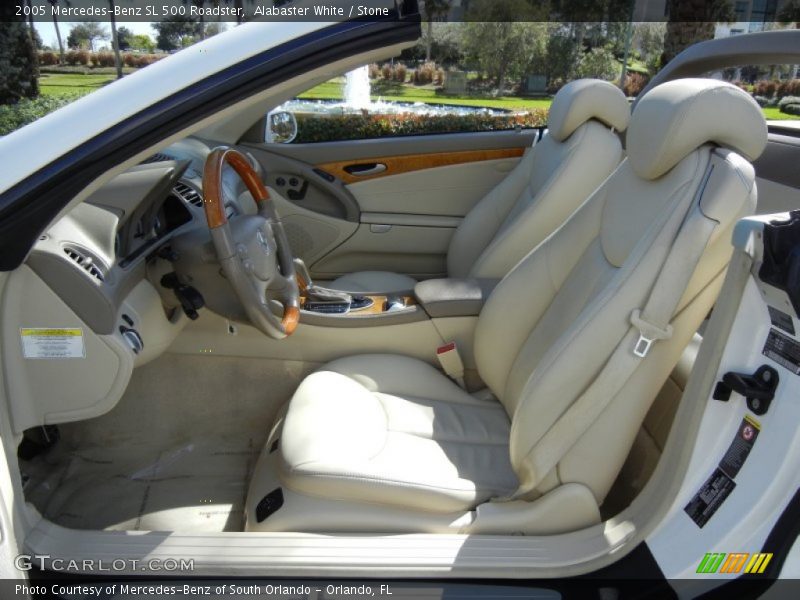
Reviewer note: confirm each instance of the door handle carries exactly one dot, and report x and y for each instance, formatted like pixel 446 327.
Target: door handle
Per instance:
pixel 365 169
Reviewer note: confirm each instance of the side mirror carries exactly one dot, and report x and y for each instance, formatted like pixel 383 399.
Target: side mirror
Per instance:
pixel 281 127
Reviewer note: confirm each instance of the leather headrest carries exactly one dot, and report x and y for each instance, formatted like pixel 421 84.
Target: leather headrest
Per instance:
pixel 585 99
pixel 677 117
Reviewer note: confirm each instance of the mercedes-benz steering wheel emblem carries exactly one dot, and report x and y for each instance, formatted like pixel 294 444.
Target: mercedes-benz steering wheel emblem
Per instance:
pixel 264 241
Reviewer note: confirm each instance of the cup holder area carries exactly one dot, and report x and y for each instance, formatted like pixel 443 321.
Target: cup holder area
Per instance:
pixel 340 308
pixel 361 302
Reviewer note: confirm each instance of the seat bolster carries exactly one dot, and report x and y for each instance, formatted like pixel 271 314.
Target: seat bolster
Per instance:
pixel 376 282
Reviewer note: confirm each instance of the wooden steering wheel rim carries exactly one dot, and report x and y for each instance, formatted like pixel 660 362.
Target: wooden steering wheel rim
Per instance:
pixel 215 208
pixel 212 183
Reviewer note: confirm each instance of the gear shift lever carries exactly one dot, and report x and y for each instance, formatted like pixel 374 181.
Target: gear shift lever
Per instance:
pixel 302 271
pixel 315 294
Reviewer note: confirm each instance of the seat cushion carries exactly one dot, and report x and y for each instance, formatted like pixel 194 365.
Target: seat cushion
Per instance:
pixel 393 430
pixel 381 282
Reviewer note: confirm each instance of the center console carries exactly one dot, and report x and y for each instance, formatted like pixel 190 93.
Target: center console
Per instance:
pixel 357 305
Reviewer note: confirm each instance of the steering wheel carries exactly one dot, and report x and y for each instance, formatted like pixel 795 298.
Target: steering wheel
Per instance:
pixel 253 250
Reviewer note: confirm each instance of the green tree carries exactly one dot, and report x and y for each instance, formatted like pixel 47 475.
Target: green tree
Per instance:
pixel 790 13
pixel 124 38
pixel 84 35
pixel 692 21
pixel 214 28
pixel 648 38
pixel 435 10
pixel 36 39
pixel 142 42
pixel 202 29
pixel 170 33
pixel 19 65
pixel 563 55
pixel 598 63
pixel 499 37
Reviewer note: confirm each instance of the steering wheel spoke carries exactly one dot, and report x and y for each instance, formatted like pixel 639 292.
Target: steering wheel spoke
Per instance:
pixel 253 250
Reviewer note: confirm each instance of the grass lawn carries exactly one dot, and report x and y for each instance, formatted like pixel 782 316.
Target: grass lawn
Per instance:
pixel 773 112
pixel 333 90
pixel 59 84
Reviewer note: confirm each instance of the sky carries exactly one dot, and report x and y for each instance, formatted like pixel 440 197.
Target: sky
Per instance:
pixel 47 30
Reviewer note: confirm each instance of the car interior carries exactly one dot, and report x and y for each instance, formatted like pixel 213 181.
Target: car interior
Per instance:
pixel 491 335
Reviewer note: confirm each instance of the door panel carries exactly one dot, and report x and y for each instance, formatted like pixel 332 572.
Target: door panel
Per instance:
pixel 417 251
pixel 385 204
pixel 306 186
pixel 449 191
pixel 311 235
pixel 778 179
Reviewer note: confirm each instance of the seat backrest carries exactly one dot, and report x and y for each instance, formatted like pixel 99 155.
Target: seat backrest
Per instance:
pixel 549 183
pixel 553 322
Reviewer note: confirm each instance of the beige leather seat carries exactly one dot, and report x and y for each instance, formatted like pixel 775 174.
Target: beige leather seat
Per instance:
pixel 547 185
pixel 388 443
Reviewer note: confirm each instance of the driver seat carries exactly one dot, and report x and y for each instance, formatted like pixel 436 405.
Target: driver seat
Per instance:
pixel 579 151
pixel 388 443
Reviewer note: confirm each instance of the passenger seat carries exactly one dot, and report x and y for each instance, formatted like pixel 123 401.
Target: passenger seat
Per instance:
pixel 580 150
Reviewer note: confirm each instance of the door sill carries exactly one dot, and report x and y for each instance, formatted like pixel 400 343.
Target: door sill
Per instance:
pixel 314 555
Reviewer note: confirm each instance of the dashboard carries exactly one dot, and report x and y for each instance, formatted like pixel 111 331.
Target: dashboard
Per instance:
pixel 95 255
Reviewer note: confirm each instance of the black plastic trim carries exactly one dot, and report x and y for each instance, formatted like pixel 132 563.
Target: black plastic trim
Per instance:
pixel 29 206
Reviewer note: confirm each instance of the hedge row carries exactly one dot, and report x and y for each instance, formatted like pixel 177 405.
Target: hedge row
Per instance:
pixel 14 116
pixel 775 88
pixel 98 59
pixel 313 128
pixel 791 109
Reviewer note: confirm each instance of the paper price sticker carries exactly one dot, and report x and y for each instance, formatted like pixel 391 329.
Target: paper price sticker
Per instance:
pixel 39 342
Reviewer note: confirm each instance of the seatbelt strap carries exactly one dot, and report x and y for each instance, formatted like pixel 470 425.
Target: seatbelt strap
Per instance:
pixel 648 326
pixel 451 362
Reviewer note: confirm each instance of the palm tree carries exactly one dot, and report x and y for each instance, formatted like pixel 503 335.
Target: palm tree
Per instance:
pixel 435 10
pixel 200 4
pixel 53 4
pixel 115 40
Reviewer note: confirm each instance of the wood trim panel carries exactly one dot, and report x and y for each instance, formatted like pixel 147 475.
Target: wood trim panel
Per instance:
pixel 416 162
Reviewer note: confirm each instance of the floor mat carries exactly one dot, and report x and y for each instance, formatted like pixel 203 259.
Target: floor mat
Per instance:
pixel 174 455
pixel 198 487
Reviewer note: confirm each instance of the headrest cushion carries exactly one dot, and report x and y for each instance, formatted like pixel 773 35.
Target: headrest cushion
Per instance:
pixel 585 99
pixel 677 117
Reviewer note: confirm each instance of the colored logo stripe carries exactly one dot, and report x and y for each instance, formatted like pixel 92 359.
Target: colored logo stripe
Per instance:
pixel 758 562
pixel 734 562
pixel 720 562
pixel 711 562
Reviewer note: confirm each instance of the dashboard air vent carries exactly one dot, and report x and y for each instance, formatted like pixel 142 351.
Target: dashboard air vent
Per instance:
pixel 86 261
pixel 157 157
pixel 188 194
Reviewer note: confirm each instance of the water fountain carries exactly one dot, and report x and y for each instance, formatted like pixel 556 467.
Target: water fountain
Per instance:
pixel 357 88
pixel 357 99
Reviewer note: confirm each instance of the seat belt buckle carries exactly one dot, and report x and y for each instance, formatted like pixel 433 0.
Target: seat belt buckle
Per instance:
pixel 451 362
pixel 648 334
